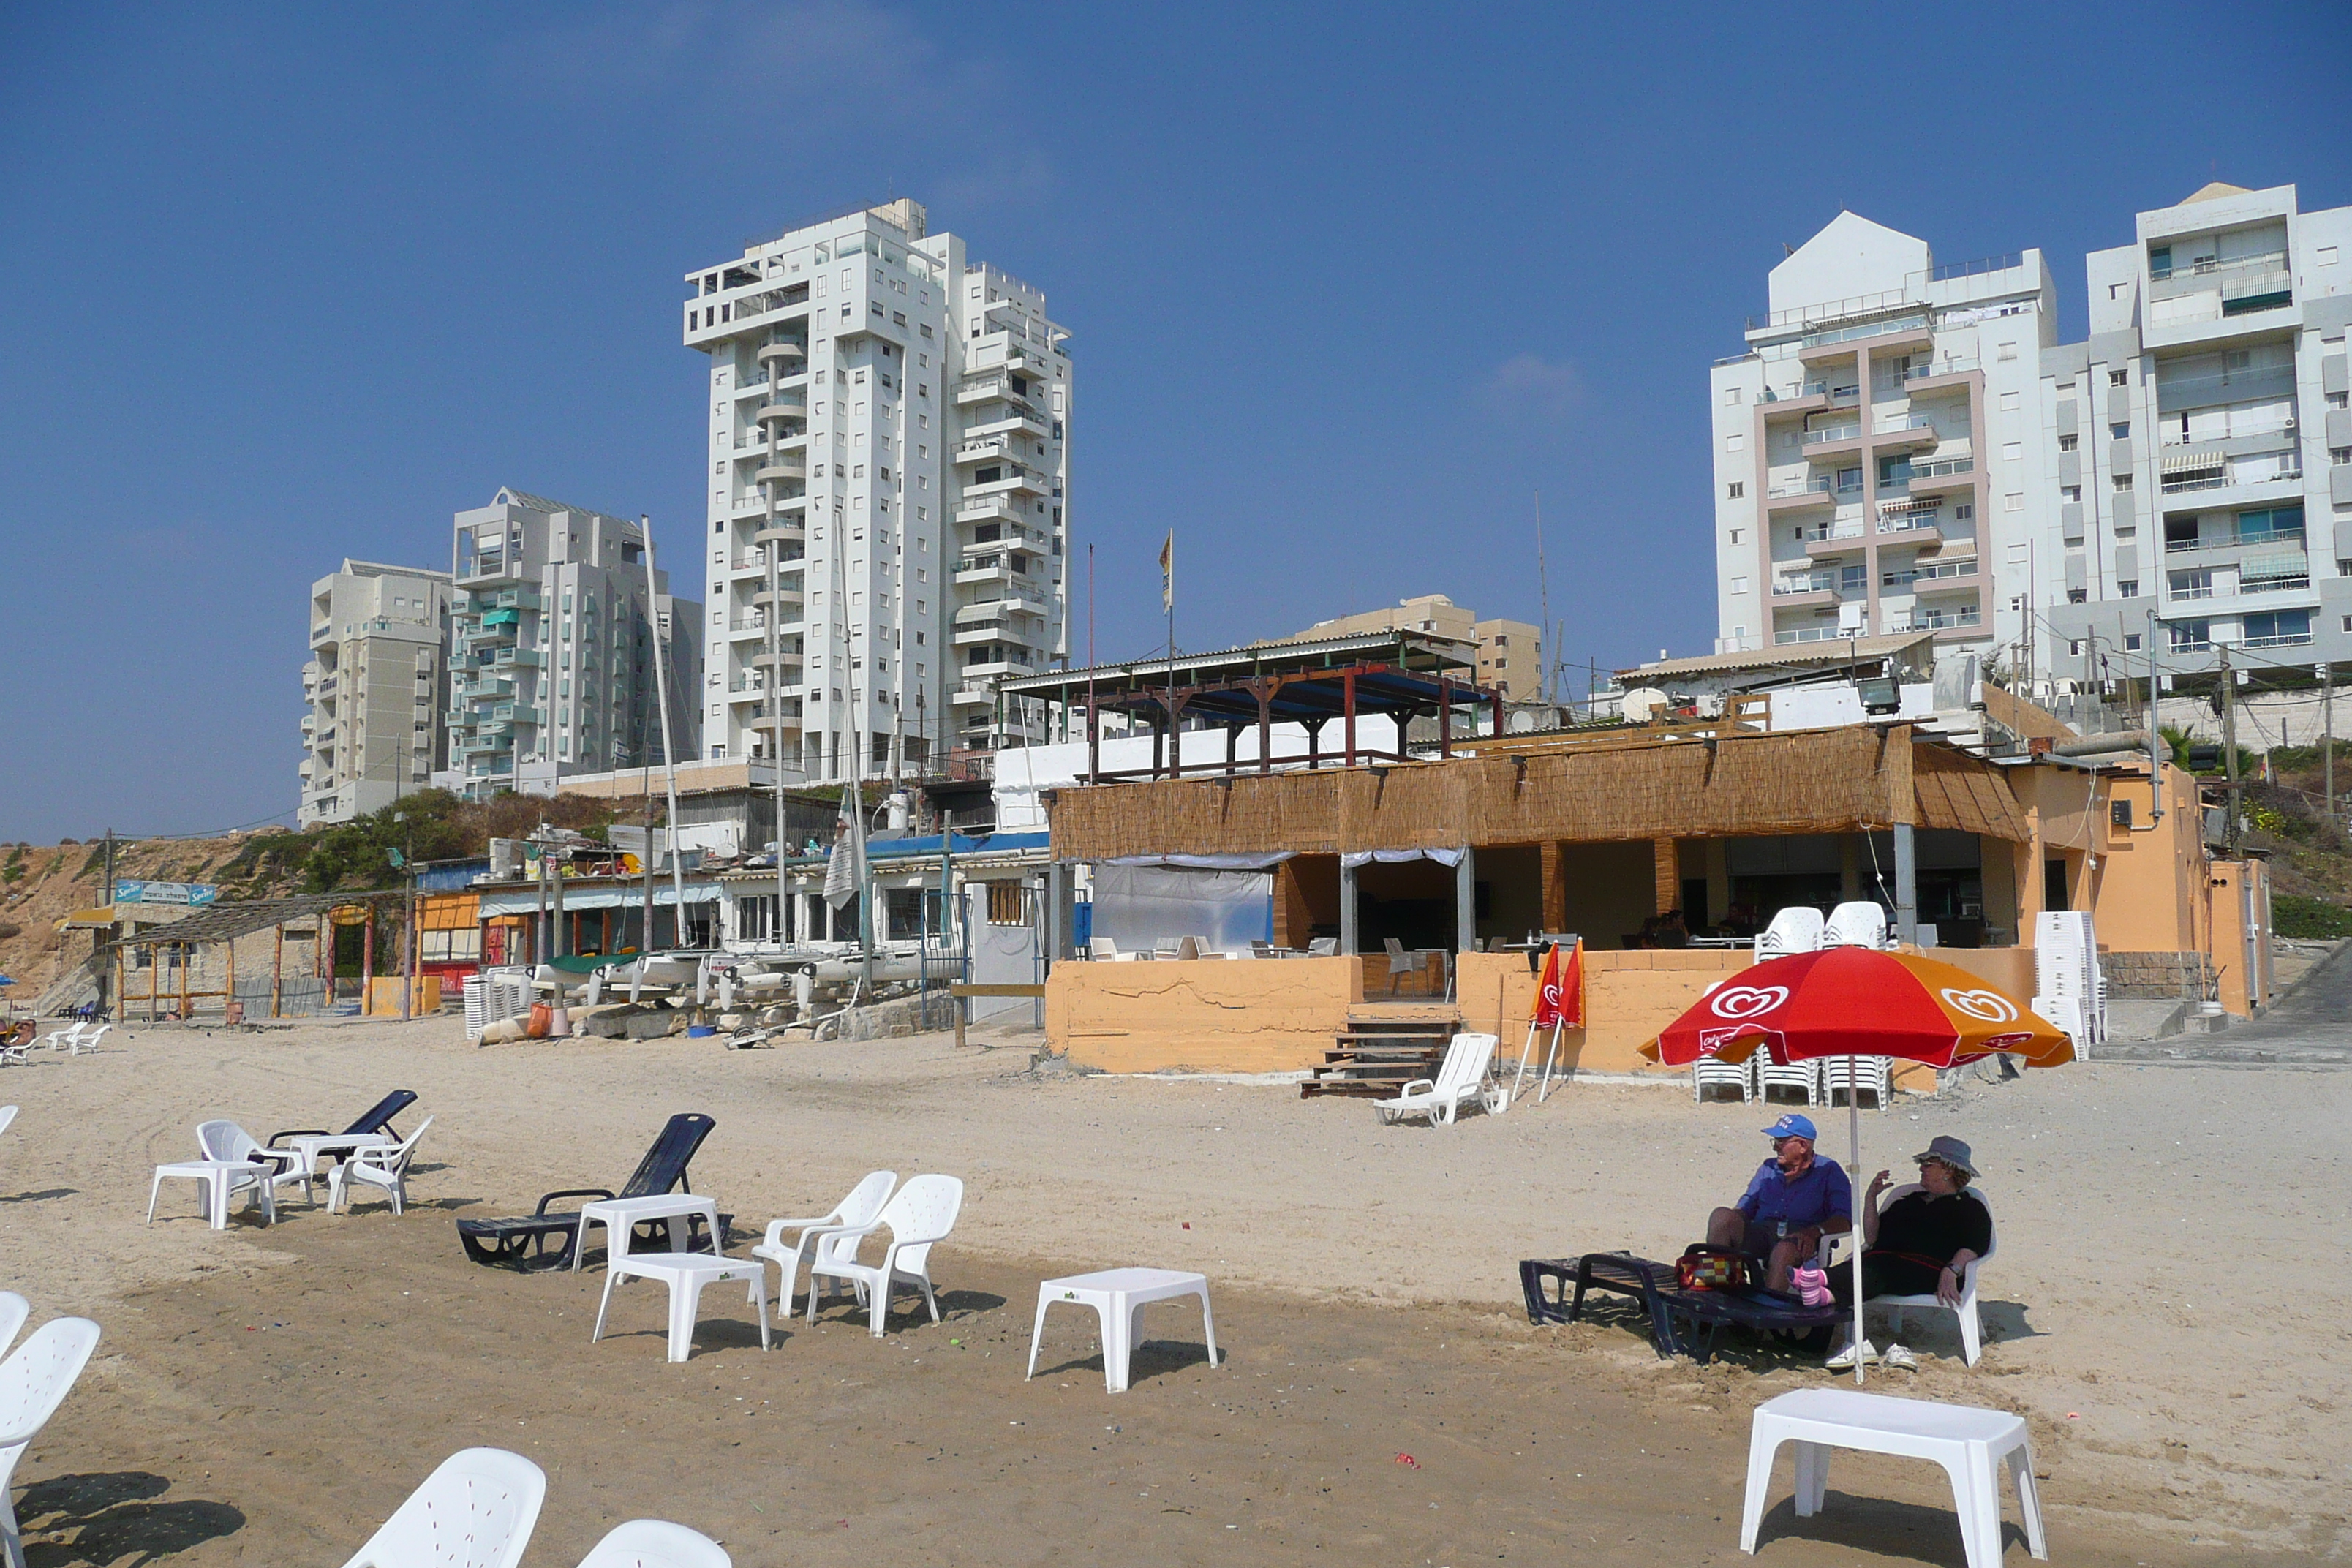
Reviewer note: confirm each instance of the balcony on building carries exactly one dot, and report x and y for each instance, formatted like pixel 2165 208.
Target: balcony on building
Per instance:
pixel 789 599
pixel 1843 339
pixel 2213 277
pixel 783 469
pixel 783 420
pixel 1913 432
pixel 1937 476
pixel 1839 440
pixel 786 532
pixel 1810 491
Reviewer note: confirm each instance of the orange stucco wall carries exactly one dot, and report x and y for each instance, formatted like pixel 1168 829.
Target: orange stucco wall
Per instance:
pixel 2150 884
pixel 1204 1015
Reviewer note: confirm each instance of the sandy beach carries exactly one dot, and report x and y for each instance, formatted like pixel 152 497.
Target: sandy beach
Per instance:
pixel 268 1395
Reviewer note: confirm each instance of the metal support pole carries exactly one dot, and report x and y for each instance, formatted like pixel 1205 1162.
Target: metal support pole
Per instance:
pixel 277 971
pixel 1907 884
pixel 1348 943
pixel 1465 902
pixel 1444 716
pixel 1347 713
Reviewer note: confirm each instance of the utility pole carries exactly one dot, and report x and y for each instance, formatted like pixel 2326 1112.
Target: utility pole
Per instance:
pixel 1543 587
pixel 2229 747
pixel 2327 733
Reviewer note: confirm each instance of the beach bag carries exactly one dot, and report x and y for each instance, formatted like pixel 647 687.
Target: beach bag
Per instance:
pixel 1711 1268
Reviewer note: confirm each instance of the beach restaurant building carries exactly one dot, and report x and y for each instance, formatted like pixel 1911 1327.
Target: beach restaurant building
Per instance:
pixel 1599 835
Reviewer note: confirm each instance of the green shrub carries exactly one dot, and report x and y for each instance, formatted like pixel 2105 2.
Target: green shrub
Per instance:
pixel 2312 920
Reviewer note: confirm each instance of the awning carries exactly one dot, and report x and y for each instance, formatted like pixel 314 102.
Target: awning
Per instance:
pixel 525 901
pixel 2195 462
pixel 1355 857
pixel 2272 564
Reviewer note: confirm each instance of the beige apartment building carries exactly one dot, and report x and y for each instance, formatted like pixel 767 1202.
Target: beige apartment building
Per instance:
pixel 1511 653
pixel 371 691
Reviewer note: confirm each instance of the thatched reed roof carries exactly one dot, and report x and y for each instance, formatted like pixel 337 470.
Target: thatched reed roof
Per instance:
pixel 1738 785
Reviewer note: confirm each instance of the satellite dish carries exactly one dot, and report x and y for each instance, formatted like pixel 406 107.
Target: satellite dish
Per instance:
pixel 1642 704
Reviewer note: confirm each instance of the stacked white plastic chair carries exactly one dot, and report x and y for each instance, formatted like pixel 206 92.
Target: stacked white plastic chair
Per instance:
pixel 499 992
pixel 1796 930
pixel 1857 924
pixel 2069 988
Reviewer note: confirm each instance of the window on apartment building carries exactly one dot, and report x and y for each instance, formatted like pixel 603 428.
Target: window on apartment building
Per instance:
pixel 1735 443
pixel 1735 489
pixel 2016 600
pixel 2127 588
pixel 2008 350
pixel 1739 585
pixel 2131 642
pixel 1738 535
pixel 2075 596
pixel 2120 430
pixel 2123 482
pixel 2069 443
pixel 2012 451
pixel 2118 378
pixel 2013 502
pixel 1730 396
pixel 2069 492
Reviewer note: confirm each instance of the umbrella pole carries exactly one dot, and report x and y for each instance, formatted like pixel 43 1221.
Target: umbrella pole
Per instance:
pixel 1854 1190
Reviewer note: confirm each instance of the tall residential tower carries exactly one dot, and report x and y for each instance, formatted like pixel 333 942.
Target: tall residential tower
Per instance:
pixel 889 471
pixel 371 731
pixel 551 648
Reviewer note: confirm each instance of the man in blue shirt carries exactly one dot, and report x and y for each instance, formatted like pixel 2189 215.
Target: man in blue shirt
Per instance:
pixel 1794 1200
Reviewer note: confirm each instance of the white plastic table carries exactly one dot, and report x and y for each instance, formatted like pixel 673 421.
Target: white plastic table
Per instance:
pixel 1118 1297
pixel 1971 1443
pixel 685 1274
pixel 618 1214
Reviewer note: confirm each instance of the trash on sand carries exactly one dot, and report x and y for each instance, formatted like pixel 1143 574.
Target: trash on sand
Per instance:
pixel 1408 1461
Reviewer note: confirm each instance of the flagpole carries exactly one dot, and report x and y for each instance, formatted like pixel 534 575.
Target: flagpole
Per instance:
pixel 1168 602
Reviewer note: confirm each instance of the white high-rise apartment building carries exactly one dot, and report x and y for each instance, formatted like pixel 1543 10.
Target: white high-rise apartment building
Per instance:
pixel 1876 447
pixel 372 731
pixel 551 634
pixel 889 473
pixel 1908 446
pixel 2203 446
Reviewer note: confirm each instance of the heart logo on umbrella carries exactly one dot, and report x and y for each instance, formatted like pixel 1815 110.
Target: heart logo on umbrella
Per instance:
pixel 1985 1006
pixel 1747 1001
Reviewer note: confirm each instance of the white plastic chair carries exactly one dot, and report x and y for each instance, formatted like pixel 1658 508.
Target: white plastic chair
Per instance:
pixel 1713 1072
pixel 89 1042
pixel 225 1167
pixel 1102 948
pixel 386 1168
pixel 1859 923
pixel 656 1543
pixel 854 1215
pixel 32 1383
pixel 475 1510
pixel 1797 928
pixel 1323 947
pixel 1771 1075
pixel 919 1215
pixel 7 1114
pixel 63 1039
pixel 1836 1251
pixel 14 1310
pixel 1462 1077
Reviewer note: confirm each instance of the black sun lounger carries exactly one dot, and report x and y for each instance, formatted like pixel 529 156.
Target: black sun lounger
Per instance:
pixel 376 1118
pixel 545 1240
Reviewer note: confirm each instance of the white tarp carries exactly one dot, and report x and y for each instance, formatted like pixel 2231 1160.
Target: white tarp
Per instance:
pixel 1137 907
pixel 1355 857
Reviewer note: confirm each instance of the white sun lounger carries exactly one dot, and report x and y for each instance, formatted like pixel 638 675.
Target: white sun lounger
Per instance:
pixel 476 1510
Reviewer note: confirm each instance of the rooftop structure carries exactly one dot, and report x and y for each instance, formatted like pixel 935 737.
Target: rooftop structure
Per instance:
pixel 1277 696
pixel 1511 653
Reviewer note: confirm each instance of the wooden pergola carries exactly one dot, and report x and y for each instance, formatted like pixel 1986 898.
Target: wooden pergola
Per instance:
pixel 1400 676
pixel 222 925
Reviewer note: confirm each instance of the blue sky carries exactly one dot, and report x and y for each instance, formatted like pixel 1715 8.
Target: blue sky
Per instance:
pixel 281 284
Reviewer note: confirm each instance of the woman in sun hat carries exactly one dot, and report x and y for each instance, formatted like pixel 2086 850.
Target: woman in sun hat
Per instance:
pixel 1920 1244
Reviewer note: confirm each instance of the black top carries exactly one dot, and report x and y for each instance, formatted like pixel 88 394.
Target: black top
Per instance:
pixel 1931 1229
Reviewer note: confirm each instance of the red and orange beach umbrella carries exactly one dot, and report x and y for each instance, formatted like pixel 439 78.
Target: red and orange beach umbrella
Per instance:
pixel 1859 1002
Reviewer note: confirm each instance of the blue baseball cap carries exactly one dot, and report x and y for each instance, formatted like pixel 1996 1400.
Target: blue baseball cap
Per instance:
pixel 1793 1126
